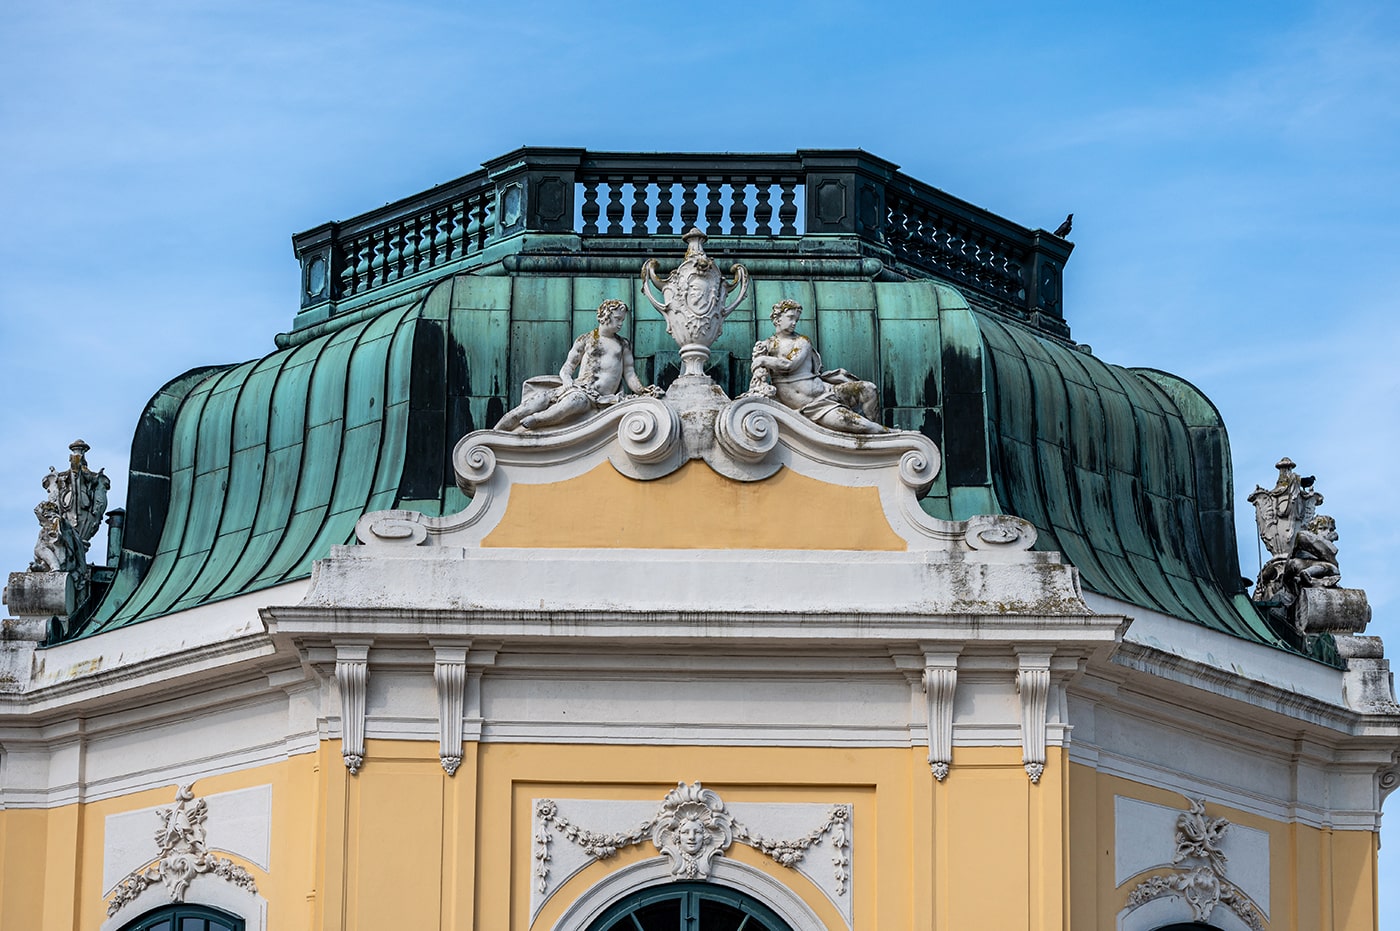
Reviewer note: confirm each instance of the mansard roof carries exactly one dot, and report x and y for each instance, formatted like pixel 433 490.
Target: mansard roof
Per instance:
pixel 420 321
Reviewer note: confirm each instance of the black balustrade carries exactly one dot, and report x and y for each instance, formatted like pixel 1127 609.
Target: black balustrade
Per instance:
pixel 915 230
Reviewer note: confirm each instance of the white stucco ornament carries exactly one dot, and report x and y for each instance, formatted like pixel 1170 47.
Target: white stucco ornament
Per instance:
pixel 696 300
pixel 183 855
pixel 1200 875
pixel 692 827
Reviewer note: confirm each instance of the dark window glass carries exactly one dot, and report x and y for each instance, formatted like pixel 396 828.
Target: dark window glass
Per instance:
pixel 186 918
pixel 659 916
pixel 689 907
pixel 720 916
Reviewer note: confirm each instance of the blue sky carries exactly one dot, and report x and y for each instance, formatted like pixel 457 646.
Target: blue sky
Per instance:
pixel 1234 171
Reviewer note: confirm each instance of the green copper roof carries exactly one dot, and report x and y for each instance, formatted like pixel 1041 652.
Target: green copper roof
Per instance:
pixel 269 463
pixel 248 474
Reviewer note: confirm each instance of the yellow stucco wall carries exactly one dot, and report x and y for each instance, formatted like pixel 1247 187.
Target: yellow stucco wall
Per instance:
pixel 51 860
pixel 694 508
pixel 402 845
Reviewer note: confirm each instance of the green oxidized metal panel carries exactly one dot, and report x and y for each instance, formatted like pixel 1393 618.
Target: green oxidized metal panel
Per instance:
pixel 266 465
pixel 1107 466
pixel 271 462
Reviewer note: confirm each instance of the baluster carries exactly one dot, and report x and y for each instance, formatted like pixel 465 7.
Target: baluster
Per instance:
pixel 379 248
pixel 714 211
pixel 689 211
pixel 615 206
pixel 917 233
pixel 423 244
pixel 763 210
pixel 897 232
pixel 362 252
pixel 487 210
pixel 957 238
pixel 1004 275
pixel 411 233
pixel 435 238
pixel 738 210
pixel 347 268
pixel 590 208
pixel 990 263
pixel 466 230
pixel 922 235
pixel 641 210
pixel 393 238
pixel 665 210
pixel 442 228
pixel 977 256
pixel 427 238
pixel 787 210
pixel 941 238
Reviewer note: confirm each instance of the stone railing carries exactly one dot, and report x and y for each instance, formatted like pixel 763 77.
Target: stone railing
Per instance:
pixel 814 194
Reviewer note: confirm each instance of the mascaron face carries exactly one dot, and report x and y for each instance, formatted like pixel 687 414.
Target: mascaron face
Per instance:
pixel 690 836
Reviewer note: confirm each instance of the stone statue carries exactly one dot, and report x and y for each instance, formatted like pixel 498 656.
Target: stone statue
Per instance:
pixel 1301 541
pixel 787 367
pixel 696 301
pixel 1314 560
pixel 1299 585
pixel 1281 510
pixel 70 515
pixel 603 361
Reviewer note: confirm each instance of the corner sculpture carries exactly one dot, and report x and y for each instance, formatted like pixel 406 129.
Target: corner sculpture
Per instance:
pixel 787 368
pixel 603 361
pixel 71 514
pixel 1298 586
pixel 59 580
pixel 696 301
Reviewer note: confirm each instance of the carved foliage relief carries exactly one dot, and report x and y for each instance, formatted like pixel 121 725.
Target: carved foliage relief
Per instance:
pixel 692 827
pixel 182 855
pixel 1199 867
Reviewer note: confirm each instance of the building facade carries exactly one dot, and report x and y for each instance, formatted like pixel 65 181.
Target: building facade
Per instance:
pixel 706 634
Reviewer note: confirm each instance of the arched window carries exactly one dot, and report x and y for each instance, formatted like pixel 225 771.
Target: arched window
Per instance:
pixel 186 918
pixel 688 907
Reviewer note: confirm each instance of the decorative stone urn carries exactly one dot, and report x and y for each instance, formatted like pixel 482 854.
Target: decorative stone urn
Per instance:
pixel 697 299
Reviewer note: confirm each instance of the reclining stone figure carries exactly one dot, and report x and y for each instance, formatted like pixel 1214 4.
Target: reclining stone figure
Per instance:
pixel 787 368
pixel 603 361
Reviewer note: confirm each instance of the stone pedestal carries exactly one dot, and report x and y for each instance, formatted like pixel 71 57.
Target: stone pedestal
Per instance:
pixel 1367 683
pixel 697 399
pixel 19 637
pixel 1332 611
pixel 42 594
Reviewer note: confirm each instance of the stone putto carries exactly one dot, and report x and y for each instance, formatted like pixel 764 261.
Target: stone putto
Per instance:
pixel 788 369
pixel 602 360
